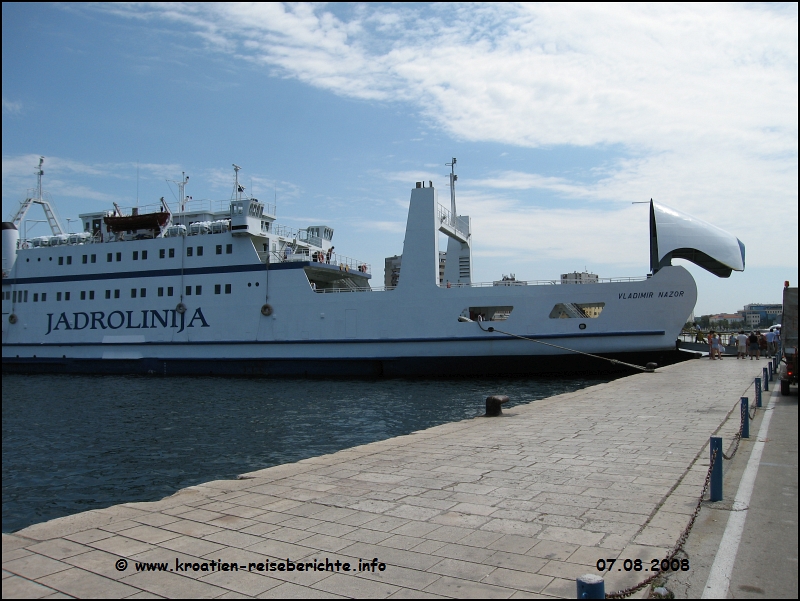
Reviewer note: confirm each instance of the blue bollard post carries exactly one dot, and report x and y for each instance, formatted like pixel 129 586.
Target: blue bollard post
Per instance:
pixel 745 417
pixel 591 586
pixel 758 392
pixel 766 379
pixel 716 471
pixel 771 372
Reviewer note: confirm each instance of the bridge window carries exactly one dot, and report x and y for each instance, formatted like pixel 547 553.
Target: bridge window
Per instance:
pixel 161 291
pixel 162 253
pixel 171 253
pixel 69 260
pixel 144 255
pixel 227 288
pixel 109 257
pixel 60 260
pixel 136 255
pixel 199 251
pixel 228 249
pixel 94 258
pixel 85 259
pixel 189 251
pixel 91 294
pixel 83 294
pixel 217 288
pixel 169 291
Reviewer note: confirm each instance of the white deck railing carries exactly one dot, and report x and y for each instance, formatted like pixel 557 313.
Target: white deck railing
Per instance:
pixel 486 284
pixel 303 255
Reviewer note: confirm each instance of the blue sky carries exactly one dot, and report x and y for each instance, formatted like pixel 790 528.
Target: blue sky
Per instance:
pixel 560 116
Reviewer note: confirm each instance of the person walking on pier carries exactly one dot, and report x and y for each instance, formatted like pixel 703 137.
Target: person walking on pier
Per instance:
pixel 714 342
pixel 770 340
pixel 741 341
pixel 753 341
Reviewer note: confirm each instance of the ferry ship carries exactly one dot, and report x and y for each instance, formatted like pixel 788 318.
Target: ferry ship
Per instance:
pixel 222 288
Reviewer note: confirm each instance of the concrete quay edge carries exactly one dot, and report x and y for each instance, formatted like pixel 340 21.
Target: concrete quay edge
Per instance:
pixel 509 507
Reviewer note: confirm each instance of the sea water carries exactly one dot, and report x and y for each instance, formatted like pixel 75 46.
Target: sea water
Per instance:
pixel 74 443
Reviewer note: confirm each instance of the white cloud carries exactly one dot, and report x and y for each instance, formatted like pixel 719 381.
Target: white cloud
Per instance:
pixel 701 100
pixel 702 97
pixel 11 107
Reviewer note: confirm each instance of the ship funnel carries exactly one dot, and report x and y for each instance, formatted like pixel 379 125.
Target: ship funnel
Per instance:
pixel 10 241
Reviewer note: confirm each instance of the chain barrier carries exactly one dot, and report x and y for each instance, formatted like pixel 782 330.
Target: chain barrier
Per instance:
pixel 627 592
pixel 736 439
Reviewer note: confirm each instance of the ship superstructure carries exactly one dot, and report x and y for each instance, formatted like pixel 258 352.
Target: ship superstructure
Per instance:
pixel 222 288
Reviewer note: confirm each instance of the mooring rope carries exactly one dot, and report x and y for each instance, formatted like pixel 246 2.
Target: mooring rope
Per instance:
pixel 563 348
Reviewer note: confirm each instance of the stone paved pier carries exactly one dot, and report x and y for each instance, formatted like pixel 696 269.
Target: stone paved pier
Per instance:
pixel 508 507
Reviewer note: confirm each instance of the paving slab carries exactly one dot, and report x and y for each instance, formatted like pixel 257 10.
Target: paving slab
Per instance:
pixel 513 507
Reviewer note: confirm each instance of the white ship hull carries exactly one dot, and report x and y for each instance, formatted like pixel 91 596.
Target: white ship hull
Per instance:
pixel 125 315
pixel 310 332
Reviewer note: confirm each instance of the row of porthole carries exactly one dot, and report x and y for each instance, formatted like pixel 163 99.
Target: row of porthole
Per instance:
pixel 135 255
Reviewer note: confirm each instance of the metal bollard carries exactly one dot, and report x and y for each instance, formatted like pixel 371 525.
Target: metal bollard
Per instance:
pixel 771 371
pixel 716 471
pixel 745 417
pixel 591 586
pixel 758 392
pixel 764 375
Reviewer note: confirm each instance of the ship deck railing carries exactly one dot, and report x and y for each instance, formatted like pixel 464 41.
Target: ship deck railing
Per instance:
pixel 511 283
pixel 304 256
pixel 484 284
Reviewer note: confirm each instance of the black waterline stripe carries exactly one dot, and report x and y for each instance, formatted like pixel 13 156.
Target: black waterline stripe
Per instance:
pixel 330 341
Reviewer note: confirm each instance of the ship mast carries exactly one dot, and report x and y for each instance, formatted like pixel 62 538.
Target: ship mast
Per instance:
pixel 453 179
pixel 182 189
pixel 236 188
pixel 39 174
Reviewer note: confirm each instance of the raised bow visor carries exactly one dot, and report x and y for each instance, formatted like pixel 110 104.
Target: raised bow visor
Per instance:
pixel 676 235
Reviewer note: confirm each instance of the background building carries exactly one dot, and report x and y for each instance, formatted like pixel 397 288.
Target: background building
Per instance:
pixel 391 270
pixel 579 277
pixel 761 314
